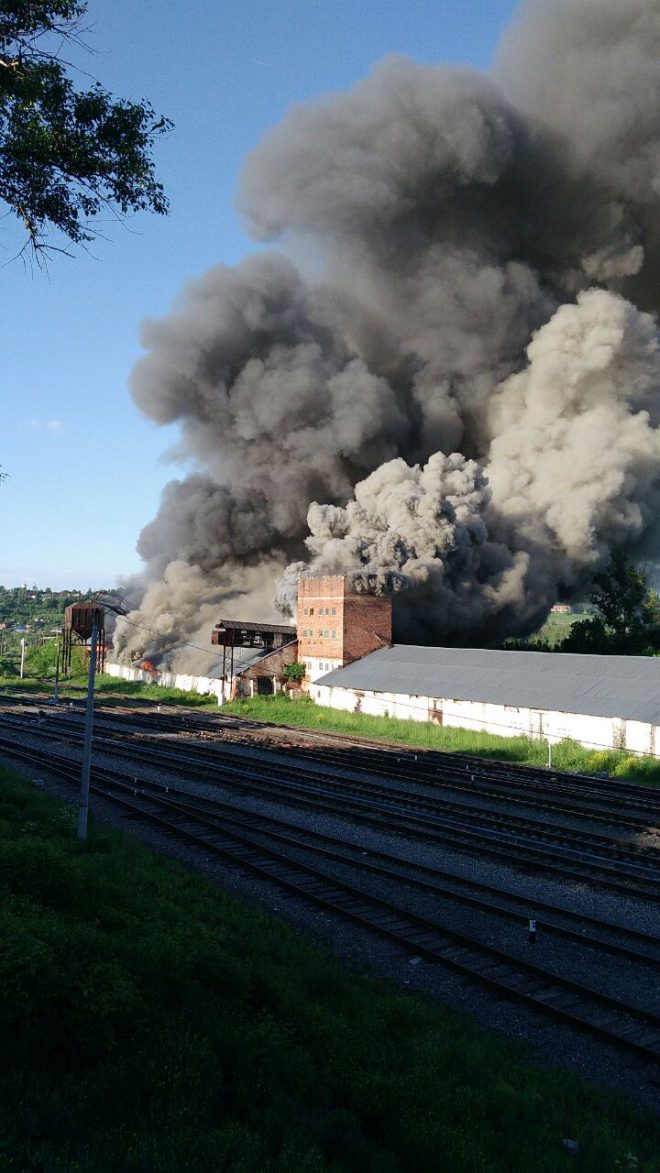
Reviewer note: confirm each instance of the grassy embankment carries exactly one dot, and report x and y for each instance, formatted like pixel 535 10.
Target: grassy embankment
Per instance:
pixel 149 1022
pixel 567 755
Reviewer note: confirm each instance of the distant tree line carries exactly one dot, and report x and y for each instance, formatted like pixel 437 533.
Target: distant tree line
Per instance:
pixel 28 605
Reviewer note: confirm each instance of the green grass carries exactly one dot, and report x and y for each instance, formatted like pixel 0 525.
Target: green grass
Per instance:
pixel 111 687
pixel 148 1022
pixel 556 627
pixel 567 755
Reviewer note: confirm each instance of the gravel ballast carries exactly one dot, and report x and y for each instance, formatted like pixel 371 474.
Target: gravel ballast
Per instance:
pixel 550 1043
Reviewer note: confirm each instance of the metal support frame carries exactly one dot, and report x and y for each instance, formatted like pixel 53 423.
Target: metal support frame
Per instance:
pixel 71 640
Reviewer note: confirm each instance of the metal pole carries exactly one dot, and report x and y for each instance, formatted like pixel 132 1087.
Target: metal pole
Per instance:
pixel 56 691
pixel 549 754
pixel 22 655
pixel 83 806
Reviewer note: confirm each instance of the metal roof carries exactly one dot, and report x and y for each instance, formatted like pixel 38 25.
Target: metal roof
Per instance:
pixel 244 658
pixel 599 686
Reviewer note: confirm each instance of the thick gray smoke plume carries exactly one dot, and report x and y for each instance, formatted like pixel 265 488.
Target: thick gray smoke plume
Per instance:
pixel 481 247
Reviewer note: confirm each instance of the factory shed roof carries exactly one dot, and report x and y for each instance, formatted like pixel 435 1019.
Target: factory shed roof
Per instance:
pixel 599 686
pixel 244 658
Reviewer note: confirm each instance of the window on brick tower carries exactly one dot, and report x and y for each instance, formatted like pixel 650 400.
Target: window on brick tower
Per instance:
pixel 327 634
pixel 334 635
pixel 311 610
pixel 333 611
pixel 306 611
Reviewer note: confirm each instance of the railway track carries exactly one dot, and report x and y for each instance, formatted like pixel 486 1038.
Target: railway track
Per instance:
pixel 634 813
pixel 526 785
pixel 209 825
pixel 624 868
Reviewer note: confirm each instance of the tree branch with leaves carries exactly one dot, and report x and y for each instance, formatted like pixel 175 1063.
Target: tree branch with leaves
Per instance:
pixel 67 154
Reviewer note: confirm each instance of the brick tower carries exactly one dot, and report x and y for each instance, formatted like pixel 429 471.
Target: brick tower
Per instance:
pixel 336 625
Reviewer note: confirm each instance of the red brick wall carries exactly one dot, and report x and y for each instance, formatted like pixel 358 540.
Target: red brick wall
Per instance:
pixel 367 625
pixel 270 667
pixel 316 596
pixel 273 663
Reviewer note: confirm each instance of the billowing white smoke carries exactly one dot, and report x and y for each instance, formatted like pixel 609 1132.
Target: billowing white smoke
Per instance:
pixel 573 469
pixel 481 261
pixel 423 531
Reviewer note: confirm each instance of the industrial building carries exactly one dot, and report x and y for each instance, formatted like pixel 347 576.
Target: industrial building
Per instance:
pixel 336 625
pixel 344 640
pixel 254 654
pixel 609 702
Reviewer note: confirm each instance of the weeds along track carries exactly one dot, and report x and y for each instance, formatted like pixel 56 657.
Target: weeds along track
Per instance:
pixel 268 848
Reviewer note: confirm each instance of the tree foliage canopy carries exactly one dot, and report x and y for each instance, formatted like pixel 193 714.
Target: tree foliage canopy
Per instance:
pixel 627 619
pixel 66 154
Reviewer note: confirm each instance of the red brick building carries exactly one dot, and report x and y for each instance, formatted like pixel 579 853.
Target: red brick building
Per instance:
pixel 337 625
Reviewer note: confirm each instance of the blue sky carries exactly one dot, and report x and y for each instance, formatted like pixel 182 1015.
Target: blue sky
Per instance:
pixel 85 468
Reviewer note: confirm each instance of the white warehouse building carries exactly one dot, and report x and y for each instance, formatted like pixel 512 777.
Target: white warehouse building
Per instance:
pixel 603 702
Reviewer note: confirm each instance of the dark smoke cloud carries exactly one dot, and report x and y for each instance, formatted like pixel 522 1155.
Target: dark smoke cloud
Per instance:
pixel 480 245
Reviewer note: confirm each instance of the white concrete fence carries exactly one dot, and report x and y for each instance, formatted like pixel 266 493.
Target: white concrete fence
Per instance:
pixel 203 685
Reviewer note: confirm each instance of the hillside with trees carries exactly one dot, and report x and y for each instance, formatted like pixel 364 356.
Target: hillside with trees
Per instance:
pixel 37 616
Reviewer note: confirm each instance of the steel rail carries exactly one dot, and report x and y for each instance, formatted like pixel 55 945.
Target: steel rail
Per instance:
pixel 403 802
pixel 616 1022
pixel 522 785
pixel 462 839
pixel 439 880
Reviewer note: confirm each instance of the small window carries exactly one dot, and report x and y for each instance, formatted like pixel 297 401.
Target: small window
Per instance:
pixel 311 610
pixel 327 634
pixel 320 633
pixel 333 610
pixel 306 610
pixel 334 635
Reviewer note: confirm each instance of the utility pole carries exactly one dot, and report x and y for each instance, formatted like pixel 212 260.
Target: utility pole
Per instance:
pixel 87 744
pixel 55 699
pixel 22 655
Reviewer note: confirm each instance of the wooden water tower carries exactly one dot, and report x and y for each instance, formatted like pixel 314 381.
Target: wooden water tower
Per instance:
pixel 78 624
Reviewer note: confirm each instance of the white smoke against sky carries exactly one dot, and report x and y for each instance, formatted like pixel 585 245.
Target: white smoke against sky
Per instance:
pixel 462 404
